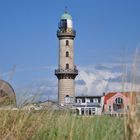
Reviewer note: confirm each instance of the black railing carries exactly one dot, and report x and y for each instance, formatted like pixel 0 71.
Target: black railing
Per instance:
pixel 66 32
pixel 69 71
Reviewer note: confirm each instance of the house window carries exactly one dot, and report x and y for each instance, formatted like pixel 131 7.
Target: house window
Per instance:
pixel 67 54
pixel 67 66
pixel 67 43
pixel 110 108
pixel 90 111
pixel 95 100
pixel 78 101
pixel 83 100
pixel 82 111
pixel 91 100
pixel 119 100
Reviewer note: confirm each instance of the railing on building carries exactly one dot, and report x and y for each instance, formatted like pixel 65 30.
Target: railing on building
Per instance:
pixel 66 71
pixel 87 104
pixel 66 33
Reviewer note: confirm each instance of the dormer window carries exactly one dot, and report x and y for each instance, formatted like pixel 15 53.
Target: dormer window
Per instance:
pixel 95 100
pixel 119 100
pixel 83 100
pixel 91 100
pixel 67 43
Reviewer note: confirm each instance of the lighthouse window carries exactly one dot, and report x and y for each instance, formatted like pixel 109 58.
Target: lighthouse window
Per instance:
pixel 67 54
pixel 67 42
pixel 67 66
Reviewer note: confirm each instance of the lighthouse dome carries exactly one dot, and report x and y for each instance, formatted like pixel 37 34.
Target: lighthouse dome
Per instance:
pixel 66 16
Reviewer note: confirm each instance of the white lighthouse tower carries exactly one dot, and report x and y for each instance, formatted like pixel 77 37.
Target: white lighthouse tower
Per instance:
pixel 66 71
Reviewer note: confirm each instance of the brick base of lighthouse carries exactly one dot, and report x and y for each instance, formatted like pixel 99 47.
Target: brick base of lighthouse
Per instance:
pixel 65 87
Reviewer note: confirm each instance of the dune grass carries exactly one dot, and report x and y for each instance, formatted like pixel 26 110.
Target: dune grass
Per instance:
pixel 54 125
pixel 60 125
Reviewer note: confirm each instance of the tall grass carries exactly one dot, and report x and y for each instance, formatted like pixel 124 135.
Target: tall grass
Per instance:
pixel 132 122
pixel 62 125
pixel 55 125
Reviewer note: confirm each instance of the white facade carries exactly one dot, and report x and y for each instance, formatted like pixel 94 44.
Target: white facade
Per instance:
pixel 92 105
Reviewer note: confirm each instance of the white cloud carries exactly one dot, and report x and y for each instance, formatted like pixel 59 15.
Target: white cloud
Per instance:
pixel 102 80
pixel 91 81
pixel 119 86
pixel 41 90
pixel 96 81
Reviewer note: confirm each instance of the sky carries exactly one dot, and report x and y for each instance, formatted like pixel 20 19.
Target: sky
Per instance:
pixel 108 33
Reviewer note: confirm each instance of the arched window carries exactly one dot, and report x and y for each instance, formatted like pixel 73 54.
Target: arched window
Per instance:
pixel 67 66
pixel 67 54
pixel 109 107
pixel 67 42
pixel 119 100
pixel 67 99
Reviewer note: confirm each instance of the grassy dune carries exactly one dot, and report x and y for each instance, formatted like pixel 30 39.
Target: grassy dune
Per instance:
pixel 50 125
pixel 56 125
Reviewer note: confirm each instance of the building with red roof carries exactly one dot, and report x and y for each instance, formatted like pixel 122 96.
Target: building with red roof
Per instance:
pixel 119 102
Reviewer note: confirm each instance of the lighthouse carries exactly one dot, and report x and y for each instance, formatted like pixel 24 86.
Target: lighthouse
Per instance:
pixel 66 72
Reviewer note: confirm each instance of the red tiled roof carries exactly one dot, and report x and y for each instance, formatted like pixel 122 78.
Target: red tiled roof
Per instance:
pixel 108 96
pixel 127 94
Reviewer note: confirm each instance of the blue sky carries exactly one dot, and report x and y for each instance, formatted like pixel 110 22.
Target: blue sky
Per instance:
pixel 107 31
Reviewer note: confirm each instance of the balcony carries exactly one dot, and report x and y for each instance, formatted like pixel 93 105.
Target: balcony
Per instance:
pixel 63 33
pixel 66 71
pixel 87 104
